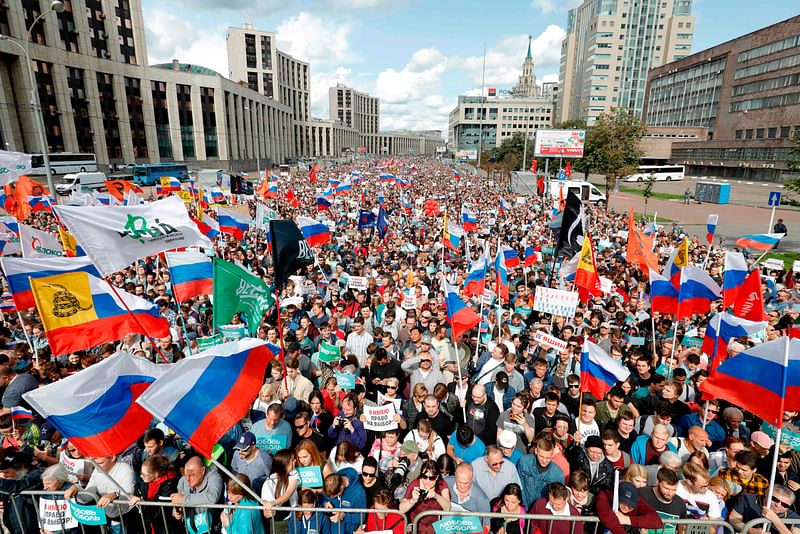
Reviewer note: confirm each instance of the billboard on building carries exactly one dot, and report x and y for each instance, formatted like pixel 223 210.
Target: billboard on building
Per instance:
pixel 559 143
pixel 441 149
pixel 466 154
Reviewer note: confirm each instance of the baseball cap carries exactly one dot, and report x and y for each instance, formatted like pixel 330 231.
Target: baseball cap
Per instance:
pixel 605 325
pixel 628 494
pixel 246 440
pixel 426 338
pixel 501 376
pixel 507 439
pixel 762 440
pixel 409 447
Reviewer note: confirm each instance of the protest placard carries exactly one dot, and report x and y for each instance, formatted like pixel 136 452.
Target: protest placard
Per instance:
pixel 796 266
pixel 358 282
pixel 54 515
pixel 232 332
pixel 74 466
pixel 271 444
pixel 605 284
pixel 87 515
pixel 553 341
pixel 310 477
pixel 383 399
pixel 409 302
pixel 328 352
pixel 205 343
pixel 345 380
pixel 636 341
pixel 690 342
pixel 555 301
pixel 458 525
pixel 774 264
pixel 379 418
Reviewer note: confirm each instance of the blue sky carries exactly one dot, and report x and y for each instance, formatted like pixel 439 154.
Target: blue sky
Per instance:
pixel 416 55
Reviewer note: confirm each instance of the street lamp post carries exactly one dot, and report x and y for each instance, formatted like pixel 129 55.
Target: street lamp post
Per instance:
pixel 58 7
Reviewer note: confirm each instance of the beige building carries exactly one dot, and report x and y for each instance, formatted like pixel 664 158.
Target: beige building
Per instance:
pixel 609 48
pixel 354 109
pixel 99 95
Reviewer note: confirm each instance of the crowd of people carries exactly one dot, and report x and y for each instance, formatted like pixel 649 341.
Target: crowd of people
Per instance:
pixel 495 421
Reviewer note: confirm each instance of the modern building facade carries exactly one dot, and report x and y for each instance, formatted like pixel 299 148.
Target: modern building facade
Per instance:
pixel 609 48
pixel 745 92
pixel 354 109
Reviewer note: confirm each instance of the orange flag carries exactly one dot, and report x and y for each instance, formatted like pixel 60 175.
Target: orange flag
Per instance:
pixel 119 188
pixel 640 248
pixel 27 188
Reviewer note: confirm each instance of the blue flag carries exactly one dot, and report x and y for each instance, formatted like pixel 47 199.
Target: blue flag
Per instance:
pixel 366 219
pixel 382 223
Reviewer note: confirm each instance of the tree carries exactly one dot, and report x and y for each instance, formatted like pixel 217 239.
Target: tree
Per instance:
pixel 612 145
pixel 793 164
pixel 647 192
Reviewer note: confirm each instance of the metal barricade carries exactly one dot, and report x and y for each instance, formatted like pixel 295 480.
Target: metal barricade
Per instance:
pixel 761 521
pixel 573 520
pixel 166 510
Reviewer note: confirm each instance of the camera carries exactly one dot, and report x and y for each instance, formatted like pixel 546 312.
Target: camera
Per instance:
pixel 398 474
pixel 339 424
pixel 423 494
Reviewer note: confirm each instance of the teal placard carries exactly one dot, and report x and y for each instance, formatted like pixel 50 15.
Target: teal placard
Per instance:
pixel 198 523
pixel 458 525
pixel 692 342
pixel 271 444
pixel 635 340
pixel 548 250
pixel 524 311
pixel 310 477
pixel 87 515
pixel 345 380
pixel 205 343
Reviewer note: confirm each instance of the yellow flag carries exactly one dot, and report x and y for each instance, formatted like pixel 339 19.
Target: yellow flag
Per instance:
pixel 63 300
pixel 68 242
pixel 682 257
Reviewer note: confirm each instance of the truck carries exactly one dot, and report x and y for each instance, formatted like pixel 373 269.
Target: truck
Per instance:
pixel 586 191
pixel 81 180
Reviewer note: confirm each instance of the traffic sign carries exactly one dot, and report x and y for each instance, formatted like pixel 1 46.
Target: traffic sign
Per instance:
pixel 774 199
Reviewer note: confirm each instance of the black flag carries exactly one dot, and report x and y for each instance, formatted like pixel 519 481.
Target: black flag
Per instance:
pixel 289 250
pixel 570 237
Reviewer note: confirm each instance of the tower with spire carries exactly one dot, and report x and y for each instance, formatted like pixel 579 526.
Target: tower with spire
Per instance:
pixel 526 86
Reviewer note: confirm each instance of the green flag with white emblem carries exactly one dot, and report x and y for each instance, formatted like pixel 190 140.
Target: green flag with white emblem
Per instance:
pixel 236 290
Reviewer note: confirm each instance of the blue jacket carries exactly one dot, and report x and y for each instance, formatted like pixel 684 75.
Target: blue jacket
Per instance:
pixel 715 431
pixel 318 522
pixel 535 480
pixel 508 396
pixel 352 497
pixel 639 449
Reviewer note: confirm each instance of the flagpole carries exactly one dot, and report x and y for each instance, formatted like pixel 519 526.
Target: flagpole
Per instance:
pixel 711 364
pixel 759 258
pixel 136 320
pixel 28 339
pixel 779 431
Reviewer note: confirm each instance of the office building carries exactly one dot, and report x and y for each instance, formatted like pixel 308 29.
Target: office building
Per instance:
pixel 609 48
pixel 744 92
pixel 354 109
pixel 99 95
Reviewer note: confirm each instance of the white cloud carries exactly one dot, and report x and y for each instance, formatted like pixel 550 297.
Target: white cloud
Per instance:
pixel 546 7
pixel 320 82
pixel 310 38
pixel 418 78
pixel 504 58
pixel 171 37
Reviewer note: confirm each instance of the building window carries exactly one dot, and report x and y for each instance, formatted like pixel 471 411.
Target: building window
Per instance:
pixel 43 72
pixel 125 30
pixel 739 134
pixel 209 122
pixel 98 39
pixel 159 94
pixel 108 109
pixel 759 133
pixel 266 52
pixel 133 96
pixel 66 28
pixel 772 133
pixel 785 132
pixel 748 134
pixel 252 81
pixel 184 93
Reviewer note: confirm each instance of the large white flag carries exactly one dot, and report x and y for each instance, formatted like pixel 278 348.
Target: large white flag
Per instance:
pixel 12 165
pixel 115 237
pixel 38 244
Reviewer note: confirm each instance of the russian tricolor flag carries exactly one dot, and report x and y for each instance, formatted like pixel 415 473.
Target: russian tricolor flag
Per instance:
pixel 663 295
pixel 315 233
pixel 95 408
pixel 207 225
pixel 19 413
pixel 511 257
pixel 232 223
pixel 461 317
pixel 475 282
pixel 721 329
pixel 677 261
pixel 323 203
pixel 191 274
pixel 697 291
pixel 711 227
pixel 386 178
pixel 733 277
pixel 343 188
pixel 356 177
pixel 762 242
pixel 530 256
pixel 202 397
pixel 599 371
pixel 40 204
pixel 456 174
pixel 217 196
pixel 19 271
pixel 469 220
pixel 502 275
pixel 405 203
pixel 504 207
pixel 764 380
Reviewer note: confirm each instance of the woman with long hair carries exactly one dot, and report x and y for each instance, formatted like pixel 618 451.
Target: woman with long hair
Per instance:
pixel 307 522
pixel 238 520
pixel 635 474
pixel 280 489
pixel 427 440
pixel 385 448
pixel 382 521
pixel 158 482
pixel 346 455
pixel 306 454
pixel 331 394
pixel 508 502
pixel 413 406
pixel 321 418
pixel 428 492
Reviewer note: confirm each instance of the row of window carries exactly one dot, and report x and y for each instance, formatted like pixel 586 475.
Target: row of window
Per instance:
pixel 777 64
pixel 789 99
pixel 767 153
pixel 767 85
pixel 774 132
pixel 771 48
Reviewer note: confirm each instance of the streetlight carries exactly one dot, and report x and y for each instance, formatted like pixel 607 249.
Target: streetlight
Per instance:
pixel 58 7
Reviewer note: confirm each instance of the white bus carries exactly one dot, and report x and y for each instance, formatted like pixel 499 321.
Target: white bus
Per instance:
pixel 64 163
pixel 663 173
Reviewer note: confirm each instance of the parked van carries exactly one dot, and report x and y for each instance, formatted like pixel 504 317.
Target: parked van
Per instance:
pixel 81 180
pixel 586 192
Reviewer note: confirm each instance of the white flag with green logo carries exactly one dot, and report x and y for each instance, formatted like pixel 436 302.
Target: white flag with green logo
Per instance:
pixel 114 237
pixel 328 353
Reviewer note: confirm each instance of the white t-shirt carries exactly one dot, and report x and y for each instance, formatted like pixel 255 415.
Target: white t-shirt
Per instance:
pixel 702 505
pixel 271 484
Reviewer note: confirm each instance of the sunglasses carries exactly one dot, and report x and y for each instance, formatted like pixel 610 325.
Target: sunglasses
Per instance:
pixel 496 464
pixel 299 427
pixel 574 386
pixel 713 411
pixel 777 501
pixel 368 475
pixel 391 387
pixel 430 477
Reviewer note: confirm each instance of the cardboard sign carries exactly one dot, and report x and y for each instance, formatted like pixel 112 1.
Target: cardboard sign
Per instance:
pixel 553 341
pixel 345 380
pixel 605 284
pixel 774 264
pixel 636 341
pixel 54 515
pixel 358 282
pixel 271 444
pixel 796 266
pixel 380 418
pixel 409 302
pixel 232 332
pixel 74 466
pixel 488 297
pixel 310 477
pixel 383 399
pixel 87 515
pixel 205 343
pixel 555 301
pixel 458 525
pixel 691 342
pixel 328 353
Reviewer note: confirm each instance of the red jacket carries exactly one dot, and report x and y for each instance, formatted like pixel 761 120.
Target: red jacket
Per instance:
pixel 543 526
pixel 643 516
